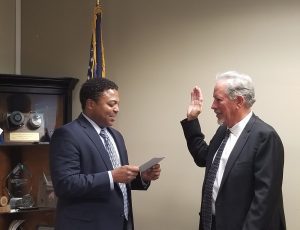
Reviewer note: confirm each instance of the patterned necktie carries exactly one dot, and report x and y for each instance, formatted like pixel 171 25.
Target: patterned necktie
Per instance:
pixel 115 161
pixel 208 187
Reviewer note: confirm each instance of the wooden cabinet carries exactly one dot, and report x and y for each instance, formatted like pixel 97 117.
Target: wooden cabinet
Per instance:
pixel 30 109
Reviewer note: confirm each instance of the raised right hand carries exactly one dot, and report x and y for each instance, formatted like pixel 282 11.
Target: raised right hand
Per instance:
pixel 195 106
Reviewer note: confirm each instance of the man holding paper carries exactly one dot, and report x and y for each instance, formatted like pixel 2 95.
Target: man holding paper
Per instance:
pixel 89 165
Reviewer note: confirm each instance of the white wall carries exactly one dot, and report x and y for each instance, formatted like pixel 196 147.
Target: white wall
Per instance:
pixel 157 51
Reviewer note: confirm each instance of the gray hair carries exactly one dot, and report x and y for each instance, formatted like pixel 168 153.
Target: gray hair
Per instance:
pixel 238 84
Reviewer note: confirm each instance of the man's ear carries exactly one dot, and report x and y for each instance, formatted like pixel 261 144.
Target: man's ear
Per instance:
pixel 89 104
pixel 240 100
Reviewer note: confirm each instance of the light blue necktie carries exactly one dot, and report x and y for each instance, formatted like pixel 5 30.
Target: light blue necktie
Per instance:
pixel 115 161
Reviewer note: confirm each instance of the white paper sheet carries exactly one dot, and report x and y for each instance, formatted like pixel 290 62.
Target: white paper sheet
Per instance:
pixel 150 163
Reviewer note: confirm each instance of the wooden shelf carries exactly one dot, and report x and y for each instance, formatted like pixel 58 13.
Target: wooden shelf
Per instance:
pixel 50 97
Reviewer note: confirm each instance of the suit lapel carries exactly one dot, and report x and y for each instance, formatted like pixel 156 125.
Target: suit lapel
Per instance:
pixel 94 137
pixel 238 148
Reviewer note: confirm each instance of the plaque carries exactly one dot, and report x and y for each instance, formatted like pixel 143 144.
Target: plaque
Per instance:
pixel 24 136
pixel 24 127
pixel 44 227
pixel 19 185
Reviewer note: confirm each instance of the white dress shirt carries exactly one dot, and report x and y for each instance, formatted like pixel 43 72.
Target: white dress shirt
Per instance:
pixel 235 132
pixel 98 129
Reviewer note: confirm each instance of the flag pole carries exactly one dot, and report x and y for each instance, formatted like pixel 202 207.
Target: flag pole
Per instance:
pixel 97 61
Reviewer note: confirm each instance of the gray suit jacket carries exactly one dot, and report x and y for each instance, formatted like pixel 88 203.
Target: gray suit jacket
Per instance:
pixel 250 195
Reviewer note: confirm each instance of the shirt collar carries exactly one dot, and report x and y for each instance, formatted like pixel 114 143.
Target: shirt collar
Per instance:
pixel 96 127
pixel 237 129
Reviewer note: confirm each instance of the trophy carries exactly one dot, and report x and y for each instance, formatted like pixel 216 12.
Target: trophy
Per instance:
pixel 19 185
pixel 46 197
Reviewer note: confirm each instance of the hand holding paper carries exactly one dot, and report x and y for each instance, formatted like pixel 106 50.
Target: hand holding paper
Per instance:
pixel 151 169
pixel 150 163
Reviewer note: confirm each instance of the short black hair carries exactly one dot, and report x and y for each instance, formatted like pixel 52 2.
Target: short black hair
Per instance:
pixel 93 88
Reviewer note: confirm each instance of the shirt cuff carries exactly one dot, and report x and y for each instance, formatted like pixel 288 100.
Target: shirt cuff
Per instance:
pixel 111 180
pixel 144 183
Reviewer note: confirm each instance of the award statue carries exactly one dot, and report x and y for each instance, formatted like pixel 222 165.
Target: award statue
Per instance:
pixel 18 186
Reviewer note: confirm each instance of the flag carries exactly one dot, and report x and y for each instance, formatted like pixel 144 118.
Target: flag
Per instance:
pixel 96 63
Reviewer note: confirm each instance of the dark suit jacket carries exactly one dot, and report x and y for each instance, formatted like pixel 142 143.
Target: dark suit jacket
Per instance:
pixel 250 195
pixel 79 165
